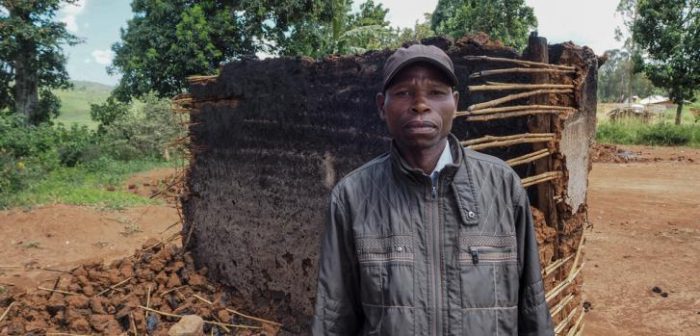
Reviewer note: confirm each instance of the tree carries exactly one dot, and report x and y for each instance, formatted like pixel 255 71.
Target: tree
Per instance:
pixel 668 33
pixel 420 31
pixel 507 20
pixel 31 57
pixel 617 80
pixel 167 41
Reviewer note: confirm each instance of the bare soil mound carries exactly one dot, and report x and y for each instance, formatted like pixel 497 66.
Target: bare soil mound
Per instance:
pixel 145 293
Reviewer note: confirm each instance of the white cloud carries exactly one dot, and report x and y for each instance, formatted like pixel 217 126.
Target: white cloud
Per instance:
pixel 87 61
pixel 103 57
pixel 69 14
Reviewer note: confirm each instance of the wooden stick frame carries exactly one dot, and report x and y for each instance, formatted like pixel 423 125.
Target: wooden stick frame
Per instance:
pixel 516 96
pixel 520 62
pixel 513 109
pixel 505 87
pixel 492 72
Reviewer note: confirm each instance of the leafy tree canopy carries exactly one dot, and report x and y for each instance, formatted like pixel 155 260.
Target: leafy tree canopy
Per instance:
pixel 509 21
pixel 31 57
pixel 167 41
pixel 617 80
pixel 668 33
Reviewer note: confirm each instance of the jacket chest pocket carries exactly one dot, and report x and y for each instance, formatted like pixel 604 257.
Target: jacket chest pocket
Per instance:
pixel 386 270
pixel 488 271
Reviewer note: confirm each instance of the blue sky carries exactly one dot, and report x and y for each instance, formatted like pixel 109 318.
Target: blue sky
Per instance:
pixel 98 22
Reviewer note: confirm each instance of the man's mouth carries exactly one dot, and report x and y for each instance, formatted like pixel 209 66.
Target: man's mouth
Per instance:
pixel 420 126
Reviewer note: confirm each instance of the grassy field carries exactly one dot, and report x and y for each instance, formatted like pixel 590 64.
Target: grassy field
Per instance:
pixel 99 183
pixel 661 131
pixel 75 103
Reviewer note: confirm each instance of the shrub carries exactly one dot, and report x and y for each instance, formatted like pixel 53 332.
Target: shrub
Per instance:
pixel 142 133
pixel 666 134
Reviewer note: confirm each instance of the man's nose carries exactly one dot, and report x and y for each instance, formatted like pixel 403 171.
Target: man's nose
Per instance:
pixel 420 105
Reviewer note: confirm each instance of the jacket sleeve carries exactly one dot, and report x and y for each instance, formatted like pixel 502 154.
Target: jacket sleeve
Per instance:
pixel 533 312
pixel 337 310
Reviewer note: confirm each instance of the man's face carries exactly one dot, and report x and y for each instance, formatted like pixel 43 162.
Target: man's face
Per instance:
pixel 418 107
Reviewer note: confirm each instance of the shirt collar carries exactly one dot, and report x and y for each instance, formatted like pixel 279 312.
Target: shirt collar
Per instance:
pixel 444 160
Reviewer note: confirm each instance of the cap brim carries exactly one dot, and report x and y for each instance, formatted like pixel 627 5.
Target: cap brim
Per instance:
pixel 448 72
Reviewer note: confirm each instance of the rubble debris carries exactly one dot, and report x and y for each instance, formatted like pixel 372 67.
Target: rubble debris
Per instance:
pixel 148 293
pixel 189 325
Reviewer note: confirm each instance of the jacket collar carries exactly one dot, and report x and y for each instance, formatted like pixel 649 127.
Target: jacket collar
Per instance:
pixel 403 170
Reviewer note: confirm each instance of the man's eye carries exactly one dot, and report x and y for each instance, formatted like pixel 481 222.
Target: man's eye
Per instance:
pixel 437 92
pixel 401 93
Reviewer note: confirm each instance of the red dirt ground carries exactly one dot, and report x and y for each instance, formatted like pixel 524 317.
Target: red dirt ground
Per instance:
pixel 645 233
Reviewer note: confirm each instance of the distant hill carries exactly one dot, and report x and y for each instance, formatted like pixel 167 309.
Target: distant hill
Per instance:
pixel 75 103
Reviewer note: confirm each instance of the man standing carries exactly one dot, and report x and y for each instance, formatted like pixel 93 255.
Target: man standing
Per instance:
pixel 430 238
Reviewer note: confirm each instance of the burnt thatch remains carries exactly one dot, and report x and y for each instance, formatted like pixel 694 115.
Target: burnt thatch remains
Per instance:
pixel 269 138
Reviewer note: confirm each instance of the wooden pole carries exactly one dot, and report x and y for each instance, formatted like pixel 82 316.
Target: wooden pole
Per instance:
pixel 542 64
pixel 505 87
pixel 516 96
pixel 492 72
pixel 514 108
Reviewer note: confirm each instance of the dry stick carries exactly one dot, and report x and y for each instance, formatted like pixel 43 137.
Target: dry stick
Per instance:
pixel 208 322
pixel 252 317
pixel 196 79
pixel 485 73
pixel 521 62
pixel 537 179
pixel 515 96
pixel 558 308
pixel 565 322
pixel 504 87
pixel 556 265
pixel 514 108
pixel 171 290
pixel 580 330
pixel 7 310
pixel 562 285
pixel 509 143
pixel 133 323
pixel 65 334
pixel 576 326
pixel 203 299
pixel 148 302
pixel 529 157
pixel 491 138
pixel 170 226
pixel 114 287
pixel 487 117
pixel 578 254
pixel 57 291
pixel 211 304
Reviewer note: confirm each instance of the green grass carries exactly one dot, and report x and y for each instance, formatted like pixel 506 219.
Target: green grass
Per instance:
pixel 634 132
pixel 75 103
pixel 87 185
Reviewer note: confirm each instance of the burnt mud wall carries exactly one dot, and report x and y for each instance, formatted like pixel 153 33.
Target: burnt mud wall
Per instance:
pixel 269 139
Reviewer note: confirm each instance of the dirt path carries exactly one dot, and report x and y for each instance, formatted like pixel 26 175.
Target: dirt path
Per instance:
pixel 645 234
pixel 38 243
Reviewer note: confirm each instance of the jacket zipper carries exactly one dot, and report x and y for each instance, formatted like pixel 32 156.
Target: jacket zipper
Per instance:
pixel 487 253
pixel 437 262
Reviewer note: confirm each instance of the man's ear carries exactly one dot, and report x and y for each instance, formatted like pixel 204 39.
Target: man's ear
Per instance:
pixel 379 99
pixel 455 95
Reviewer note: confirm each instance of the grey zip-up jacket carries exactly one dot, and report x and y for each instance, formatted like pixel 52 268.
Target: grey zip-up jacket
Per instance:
pixel 401 256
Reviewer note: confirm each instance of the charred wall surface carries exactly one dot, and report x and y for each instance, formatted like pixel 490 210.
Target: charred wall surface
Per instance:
pixel 269 139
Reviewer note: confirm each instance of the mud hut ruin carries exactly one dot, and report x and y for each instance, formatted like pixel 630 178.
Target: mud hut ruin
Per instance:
pixel 269 138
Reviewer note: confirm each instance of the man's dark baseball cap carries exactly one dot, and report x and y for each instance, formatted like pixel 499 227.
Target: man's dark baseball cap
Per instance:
pixel 404 57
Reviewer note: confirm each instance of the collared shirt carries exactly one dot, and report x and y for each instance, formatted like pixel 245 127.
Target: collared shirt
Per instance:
pixel 445 159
